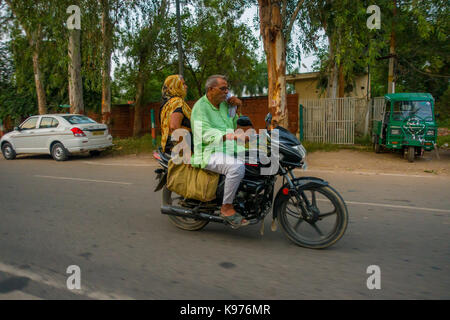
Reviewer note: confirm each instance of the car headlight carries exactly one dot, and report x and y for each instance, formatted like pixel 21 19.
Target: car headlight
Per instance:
pixel 300 150
pixel 395 132
pixel 430 133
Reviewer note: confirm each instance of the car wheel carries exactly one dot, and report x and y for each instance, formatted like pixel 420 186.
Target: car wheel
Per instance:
pixel 8 151
pixel 95 153
pixel 59 153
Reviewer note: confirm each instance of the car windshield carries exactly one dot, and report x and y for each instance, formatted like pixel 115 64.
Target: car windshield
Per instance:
pixel 406 109
pixel 78 119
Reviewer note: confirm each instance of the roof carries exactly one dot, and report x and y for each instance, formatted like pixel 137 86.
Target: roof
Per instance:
pixel 302 76
pixel 58 114
pixel 409 96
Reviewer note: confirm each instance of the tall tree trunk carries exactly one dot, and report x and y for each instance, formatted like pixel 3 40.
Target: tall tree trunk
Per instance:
pixel 35 41
pixel 391 81
pixel 275 48
pixel 341 82
pixel 75 80
pixel 332 81
pixel 138 105
pixel 106 62
pixel 332 70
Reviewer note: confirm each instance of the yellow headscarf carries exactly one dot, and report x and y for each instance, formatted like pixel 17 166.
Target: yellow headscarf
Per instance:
pixel 174 91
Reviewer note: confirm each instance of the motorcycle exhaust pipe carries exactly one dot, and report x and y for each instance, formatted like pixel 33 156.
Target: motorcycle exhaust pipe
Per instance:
pixel 187 213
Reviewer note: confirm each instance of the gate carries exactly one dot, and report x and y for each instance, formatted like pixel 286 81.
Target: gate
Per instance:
pixel 329 120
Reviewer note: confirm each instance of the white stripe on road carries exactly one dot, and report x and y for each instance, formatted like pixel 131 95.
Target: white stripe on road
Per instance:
pixel 372 173
pixel 60 285
pixel 395 206
pixel 121 164
pixel 79 179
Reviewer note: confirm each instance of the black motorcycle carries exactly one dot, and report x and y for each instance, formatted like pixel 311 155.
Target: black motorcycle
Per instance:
pixel 312 214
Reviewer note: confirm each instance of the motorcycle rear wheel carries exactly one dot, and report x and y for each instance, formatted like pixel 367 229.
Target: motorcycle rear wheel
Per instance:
pixel 332 216
pixel 170 198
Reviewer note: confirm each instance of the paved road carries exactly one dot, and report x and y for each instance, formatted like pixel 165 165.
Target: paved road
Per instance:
pixel 106 220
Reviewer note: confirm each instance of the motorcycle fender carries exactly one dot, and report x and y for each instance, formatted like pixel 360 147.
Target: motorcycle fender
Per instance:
pixel 162 176
pixel 299 183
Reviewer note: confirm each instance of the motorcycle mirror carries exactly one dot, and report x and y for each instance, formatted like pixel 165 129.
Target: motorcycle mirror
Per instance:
pixel 268 119
pixel 244 121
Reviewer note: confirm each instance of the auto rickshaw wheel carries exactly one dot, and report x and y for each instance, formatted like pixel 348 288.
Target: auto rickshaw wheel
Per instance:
pixel 411 154
pixel 376 145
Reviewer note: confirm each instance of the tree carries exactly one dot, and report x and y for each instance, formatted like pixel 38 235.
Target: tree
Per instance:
pixel 421 50
pixel 74 52
pixel 276 21
pixel 349 45
pixel 218 44
pixel 146 47
pixel 30 15
pixel 111 12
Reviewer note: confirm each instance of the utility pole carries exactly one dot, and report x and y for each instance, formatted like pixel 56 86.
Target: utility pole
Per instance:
pixel 391 82
pixel 180 48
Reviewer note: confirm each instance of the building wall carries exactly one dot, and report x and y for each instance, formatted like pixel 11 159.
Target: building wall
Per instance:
pixel 122 116
pixel 307 88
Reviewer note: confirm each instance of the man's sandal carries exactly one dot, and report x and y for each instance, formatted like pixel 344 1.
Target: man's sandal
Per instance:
pixel 235 220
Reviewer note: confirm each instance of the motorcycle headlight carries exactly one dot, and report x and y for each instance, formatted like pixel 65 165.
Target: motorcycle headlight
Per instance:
pixel 430 133
pixel 395 132
pixel 300 149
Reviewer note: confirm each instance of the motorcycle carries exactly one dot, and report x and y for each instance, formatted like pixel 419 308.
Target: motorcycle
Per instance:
pixel 312 214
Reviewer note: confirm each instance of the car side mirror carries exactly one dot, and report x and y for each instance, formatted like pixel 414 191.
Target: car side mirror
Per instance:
pixel 268 120
pixel 16 129
pixel 244 121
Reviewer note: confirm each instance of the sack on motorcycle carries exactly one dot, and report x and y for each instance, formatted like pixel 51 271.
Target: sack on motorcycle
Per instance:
pixel 192 183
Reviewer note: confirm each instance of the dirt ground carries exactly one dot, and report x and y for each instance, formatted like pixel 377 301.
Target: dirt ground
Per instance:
pixel 352 160
pixel 343 160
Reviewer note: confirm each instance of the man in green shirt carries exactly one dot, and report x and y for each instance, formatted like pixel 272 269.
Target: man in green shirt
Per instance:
pixel 213 122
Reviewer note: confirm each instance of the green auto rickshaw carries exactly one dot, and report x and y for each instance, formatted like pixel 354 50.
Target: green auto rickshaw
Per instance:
pixel 407 124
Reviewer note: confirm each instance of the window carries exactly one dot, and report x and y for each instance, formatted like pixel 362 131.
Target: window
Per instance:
pixel 29 124
pixel 78 119
pixel 47 122
pixel 407 109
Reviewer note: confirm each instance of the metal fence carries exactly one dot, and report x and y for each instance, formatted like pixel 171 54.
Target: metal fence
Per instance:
pixel 378 106
pixel 330 120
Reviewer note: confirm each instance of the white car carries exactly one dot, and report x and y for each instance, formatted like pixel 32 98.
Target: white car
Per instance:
pixel 58 135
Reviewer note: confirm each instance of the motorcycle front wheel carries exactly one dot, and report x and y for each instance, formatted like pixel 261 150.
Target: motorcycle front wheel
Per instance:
pixel 170 198
pixel 329 225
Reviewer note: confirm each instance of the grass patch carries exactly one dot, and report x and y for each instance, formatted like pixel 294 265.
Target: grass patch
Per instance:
pixel 441 140
pixel 132 145
pixel 443 123
pixel 361 144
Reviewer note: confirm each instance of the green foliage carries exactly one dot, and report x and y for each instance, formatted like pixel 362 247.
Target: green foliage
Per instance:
pixel 215 42
pixel 422 46
pixel 441 140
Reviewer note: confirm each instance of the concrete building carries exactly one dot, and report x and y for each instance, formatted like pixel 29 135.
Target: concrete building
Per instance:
pixel 306 86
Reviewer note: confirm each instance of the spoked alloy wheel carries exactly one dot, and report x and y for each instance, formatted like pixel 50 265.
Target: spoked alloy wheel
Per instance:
pixel 330 218
pixel 170 198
